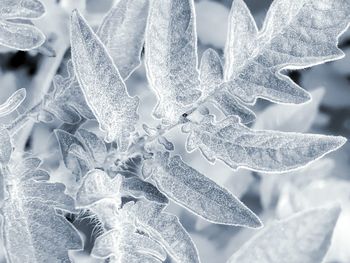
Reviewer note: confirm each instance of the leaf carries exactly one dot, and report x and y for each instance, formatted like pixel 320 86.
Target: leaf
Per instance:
pixel 291 118
pixel 304 237
pixel 13 102
pixel 20 36
pixel 95 146
pixel 33 230
pixel 5 147
pixel 30 9
pixel 265 151
pixel 97 185
pixel 171 57
pixel 122 31
pixel 165 228
pixel 197 193
pixel 295 35
pixel 101 83
pixel 139 188
pixel 128 246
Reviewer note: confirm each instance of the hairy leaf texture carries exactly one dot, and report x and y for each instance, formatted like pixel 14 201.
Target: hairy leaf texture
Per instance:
pixel 21 36
pixel 13 102
pixel 33 230
pixel 211 76
pixel 128 246
pixel 5 147
pixel 296 34
pixel 30 9
pixel 196 192
pixel 266 151
pixel 101 83
pixel 137 188
pixel 163 227
pixel 122 31
pixel 171 57
pixel 304 237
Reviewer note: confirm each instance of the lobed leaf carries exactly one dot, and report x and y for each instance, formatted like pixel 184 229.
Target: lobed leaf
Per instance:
pixel 13 102
pixel 165 228
pixel 171 57
pixel 197 193
pixel 122 31
pixel 265 151
pixel 296 34
pixel 101 83
pixel 30 9
pixel 304 237
pixel 20 36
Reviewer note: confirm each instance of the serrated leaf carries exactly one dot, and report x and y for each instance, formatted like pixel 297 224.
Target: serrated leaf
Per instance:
pixel 304 237
pixel 171 57
pixel 20 36
pixel 13 102
pixel 5 147
pixel 122 31
pixel 139 188
pixel 33 231
pixel 126 245
pixel 197 193
pixel 95 146
pixel 97 185
pixel 296 34
pixel 101 83
pixel 291 118
pixel 165 228
pixel 30 9
pixel 265 151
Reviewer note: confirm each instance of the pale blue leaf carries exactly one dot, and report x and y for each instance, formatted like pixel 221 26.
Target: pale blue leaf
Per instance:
pixel 30 9
pixel 13 102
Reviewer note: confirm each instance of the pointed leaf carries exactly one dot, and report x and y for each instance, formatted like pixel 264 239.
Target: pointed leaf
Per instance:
pixel 30 9
pixel 196 192
pixel 304 237
pixel 101 83
pixel 165 228
pixel 171 57
pixel 13 102
pixel 95 146
pixel 122 31
pixel 266 151
pixel 20 36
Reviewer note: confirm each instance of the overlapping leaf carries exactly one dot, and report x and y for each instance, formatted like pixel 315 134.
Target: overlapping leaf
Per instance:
pixel 13 102
pixel 171 57
pixel 122 31
pixel 304 237
pixel 196 192
pixel 101 83
pixel 296 34
pixel 266 151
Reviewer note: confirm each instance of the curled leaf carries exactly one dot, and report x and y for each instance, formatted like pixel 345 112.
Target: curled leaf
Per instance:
pixel 13 102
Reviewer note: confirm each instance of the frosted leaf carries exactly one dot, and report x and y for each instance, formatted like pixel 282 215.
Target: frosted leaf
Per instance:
pixel 94 145
pixel 171 57
pixel 128 246
pixel 197 193
pixel 304 237
pixel 230 106
pixel 165 228
pixel 5 147
pixel 33 230
pixel 101 83
pixel 291 118
pixel 30 9
pixel 64 112
pixel 265 151
pixel 137 188
pixel 122 31
pixel 168 145
pixel 13 102
pixel 97 185
pixel 295 35
pixel 20 36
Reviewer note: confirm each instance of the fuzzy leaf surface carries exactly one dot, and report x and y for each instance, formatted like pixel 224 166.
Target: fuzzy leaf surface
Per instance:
pixel 266 151
pixel 304 237
pixel 295 35
pixel 122 31
pixel 13 102
pixel 171 57
pixel 29 9
pixel 101 83
pixel 197 193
